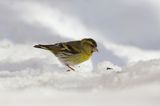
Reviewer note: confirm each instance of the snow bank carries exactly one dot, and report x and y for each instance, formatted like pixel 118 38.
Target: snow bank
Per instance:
pixel 23 67
pixel 50 75
pixel 137 84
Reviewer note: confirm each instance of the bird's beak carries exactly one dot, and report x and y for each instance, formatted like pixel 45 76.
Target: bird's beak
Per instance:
pixel 95 50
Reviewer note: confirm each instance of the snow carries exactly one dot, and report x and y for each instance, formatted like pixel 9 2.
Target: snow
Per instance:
pixel 38 82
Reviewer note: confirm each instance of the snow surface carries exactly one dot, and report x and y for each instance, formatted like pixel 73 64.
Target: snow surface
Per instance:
pixel 41 81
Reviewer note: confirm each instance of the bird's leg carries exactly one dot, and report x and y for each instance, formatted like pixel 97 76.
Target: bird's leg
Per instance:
pixel 70 68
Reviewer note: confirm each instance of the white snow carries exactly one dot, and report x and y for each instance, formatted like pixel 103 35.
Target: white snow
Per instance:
pixel 35 81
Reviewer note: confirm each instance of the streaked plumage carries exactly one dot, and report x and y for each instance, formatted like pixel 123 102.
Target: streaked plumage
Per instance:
pixel 73 52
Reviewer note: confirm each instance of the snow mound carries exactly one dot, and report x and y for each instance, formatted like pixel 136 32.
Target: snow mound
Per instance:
pixel 55 77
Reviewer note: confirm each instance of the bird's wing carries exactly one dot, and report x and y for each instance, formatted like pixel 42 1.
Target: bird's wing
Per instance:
pixel 69 48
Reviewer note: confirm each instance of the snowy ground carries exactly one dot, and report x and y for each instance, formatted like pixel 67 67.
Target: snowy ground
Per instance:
pixel 127 33
pixel 137 84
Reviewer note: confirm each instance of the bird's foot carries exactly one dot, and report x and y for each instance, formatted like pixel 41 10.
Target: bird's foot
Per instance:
pixel 70 68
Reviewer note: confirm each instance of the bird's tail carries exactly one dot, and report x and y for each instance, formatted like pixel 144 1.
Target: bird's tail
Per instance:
pixel 46 47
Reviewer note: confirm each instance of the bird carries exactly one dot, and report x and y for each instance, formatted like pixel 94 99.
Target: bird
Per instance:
pixel 72 53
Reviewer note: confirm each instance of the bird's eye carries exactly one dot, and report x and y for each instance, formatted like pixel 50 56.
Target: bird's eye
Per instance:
pixel 92 46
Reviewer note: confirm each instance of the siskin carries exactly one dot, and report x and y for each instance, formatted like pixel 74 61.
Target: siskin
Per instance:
pixel 73 52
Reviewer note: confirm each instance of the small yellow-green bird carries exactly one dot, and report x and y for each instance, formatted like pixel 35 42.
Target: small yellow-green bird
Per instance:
pixel 73 52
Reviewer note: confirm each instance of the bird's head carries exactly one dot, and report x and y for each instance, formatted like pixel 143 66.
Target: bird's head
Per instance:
pixel 89 45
